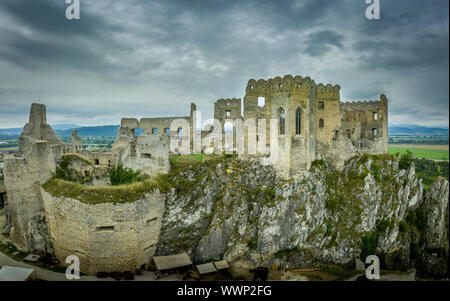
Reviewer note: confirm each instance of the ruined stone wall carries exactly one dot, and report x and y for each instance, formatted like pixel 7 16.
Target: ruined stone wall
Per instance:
pixel 328 117
pixel 253 110
pixel 106 237
pixel 160 124
pixel 23 177
pixel 228 109
pixel 76 142
pixel 40 148
pixel 295 151
pixel 102 158
pixel 146 153
pixel 37 129
pixel 82 170
pixel 370 114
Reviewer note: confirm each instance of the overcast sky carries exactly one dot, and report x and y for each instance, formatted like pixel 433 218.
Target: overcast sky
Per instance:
pixel 141 58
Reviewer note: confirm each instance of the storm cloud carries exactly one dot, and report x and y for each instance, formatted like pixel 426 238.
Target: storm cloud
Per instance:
pixel 141 58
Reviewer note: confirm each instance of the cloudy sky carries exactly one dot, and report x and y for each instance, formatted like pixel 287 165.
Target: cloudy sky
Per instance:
pixel 141 58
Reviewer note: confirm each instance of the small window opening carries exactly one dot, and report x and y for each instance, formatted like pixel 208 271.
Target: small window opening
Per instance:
pixel 97 162
pixel 375 132
pixel 261 102
pixel 146 156
pixel 228 113
pixel 155 131
pixel 167 131
pixel 105 228
pixel 375 116
pixel 321 105
pixel 321 123
pixel 151 220
pixel 282 124
pixel 298 121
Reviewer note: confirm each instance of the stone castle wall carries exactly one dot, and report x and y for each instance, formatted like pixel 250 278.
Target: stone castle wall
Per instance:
pixel 76 142
pixel 146 153
pixel 106 237
pixel 23 178
pixel 40 148
pixel 368 119
pixel 327 116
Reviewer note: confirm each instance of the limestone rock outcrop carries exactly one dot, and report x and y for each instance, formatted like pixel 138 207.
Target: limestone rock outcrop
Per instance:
pixel 240 211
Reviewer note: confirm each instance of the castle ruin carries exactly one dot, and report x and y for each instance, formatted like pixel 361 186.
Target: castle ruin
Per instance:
pixel 311 123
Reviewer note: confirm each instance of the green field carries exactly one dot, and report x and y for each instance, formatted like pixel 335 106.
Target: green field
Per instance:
pixel 422 153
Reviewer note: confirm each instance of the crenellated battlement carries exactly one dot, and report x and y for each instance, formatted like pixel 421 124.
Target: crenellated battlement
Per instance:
pixel 324 92
pixel 288 83
pixel 228 100
pixel 365 105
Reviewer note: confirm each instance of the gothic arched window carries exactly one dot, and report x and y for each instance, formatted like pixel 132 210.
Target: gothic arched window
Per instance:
pixel 282 116
pixel 298 121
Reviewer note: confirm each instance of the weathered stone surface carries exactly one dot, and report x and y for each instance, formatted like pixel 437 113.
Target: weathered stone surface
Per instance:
pixel 146 153
pixel 106 237
pixel 436 231
pixel 23 177
pixel 37 129
pixel 76 142
pixel 6 228
pixel 250 215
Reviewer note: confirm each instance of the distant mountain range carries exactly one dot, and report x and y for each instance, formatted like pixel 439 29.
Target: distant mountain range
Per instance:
pixel 90 131
pixel 65 130
pixel 412 129
pixel 14 132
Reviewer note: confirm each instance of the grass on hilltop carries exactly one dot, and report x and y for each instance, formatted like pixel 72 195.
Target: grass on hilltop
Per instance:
pixel 421 153
pixel 97 195
pixel 133 191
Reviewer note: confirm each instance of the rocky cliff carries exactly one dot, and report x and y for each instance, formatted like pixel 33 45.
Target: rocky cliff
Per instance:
pixel 237 209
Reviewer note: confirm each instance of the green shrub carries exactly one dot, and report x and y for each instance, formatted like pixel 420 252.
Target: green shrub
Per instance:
pixel 405 160
pixel 421 219
pixel 253 243
pixel 403 226
pixel 415 251
pixel 376 170
pixel 369 246
pixel 120 175
pixel 382 225
pixel 318 163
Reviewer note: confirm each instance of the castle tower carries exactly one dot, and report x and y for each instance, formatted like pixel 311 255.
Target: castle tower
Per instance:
pixel 290 102
pixel 76 142
pixel 37 129
pixel 227 111
pixel 328 116
pixel 40 148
